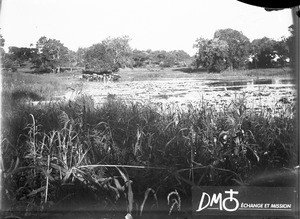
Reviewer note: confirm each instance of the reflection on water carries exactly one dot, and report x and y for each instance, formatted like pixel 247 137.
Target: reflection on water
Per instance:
pixel 253 82
pixel 227 83
pixel 237 85
pixel 288 81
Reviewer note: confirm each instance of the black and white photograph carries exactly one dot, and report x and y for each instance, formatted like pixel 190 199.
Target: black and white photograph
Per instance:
pixel 149 109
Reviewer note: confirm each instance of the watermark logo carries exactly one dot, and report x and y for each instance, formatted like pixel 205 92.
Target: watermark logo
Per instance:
pixel 217 199
pixel 274 201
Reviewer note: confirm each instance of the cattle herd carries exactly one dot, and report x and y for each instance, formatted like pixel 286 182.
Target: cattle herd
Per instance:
pixel 101 77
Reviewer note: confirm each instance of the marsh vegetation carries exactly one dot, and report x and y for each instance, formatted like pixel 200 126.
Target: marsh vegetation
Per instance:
pixel 133 156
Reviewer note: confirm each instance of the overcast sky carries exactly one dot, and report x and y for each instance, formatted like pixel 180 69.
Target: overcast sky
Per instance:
pixel 151 24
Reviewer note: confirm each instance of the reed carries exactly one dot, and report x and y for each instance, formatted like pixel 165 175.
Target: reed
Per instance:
pixel 55 152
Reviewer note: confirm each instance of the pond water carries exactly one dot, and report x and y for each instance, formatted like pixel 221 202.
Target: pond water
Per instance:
pixel 182 92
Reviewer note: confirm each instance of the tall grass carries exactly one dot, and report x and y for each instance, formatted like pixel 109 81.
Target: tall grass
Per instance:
pixel 63 153
pixel 20 86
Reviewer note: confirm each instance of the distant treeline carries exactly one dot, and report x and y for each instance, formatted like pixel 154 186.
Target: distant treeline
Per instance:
pixel 229 49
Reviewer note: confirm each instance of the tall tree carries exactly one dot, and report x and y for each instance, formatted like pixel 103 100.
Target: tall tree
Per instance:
pixel 212 54
pixel 291 43
pixel 238 47
pixel 21 54
pixel 263 52
pixel 119 49
pixel 52 54
pixel 140 58
pixel 109 55
pixel 2 41
pixel 71 59
pixel 98 59
pixel 80 56
pixel 180 55
pixel 2 52
pixel 282 51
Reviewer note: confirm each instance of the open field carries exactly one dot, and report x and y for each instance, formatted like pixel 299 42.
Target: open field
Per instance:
pixel 126 146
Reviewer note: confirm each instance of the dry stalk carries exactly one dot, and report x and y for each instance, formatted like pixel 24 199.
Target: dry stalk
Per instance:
pixel 47 179
pixel 174 201
pixel 146 197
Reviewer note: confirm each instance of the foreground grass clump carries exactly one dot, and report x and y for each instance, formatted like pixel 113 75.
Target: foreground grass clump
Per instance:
pixel 61 154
